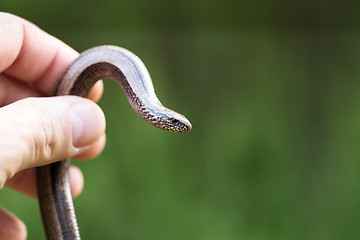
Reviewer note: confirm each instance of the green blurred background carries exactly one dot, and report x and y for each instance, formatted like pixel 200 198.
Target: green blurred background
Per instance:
pixel 271 88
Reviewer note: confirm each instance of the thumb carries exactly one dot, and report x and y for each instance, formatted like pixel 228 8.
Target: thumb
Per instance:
pixel 39 131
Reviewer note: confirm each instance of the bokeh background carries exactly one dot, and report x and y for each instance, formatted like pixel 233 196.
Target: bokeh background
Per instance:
pixel 271 88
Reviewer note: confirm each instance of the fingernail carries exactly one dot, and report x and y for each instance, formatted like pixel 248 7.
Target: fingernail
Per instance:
pixel 87 123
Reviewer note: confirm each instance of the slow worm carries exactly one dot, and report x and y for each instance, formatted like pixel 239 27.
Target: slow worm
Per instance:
pixel 57 210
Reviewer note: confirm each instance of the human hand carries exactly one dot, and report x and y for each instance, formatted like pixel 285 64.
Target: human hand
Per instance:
pixel 37 129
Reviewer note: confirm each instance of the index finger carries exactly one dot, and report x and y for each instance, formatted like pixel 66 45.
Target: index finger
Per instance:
pixel 33 56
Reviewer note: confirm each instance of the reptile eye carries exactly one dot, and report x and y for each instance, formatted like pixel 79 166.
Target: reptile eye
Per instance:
pixel 174 121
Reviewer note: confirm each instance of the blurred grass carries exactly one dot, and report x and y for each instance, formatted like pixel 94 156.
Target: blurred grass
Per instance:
pixel 272 91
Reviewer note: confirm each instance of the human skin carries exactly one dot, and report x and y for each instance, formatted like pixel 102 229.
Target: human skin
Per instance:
pixel 37 129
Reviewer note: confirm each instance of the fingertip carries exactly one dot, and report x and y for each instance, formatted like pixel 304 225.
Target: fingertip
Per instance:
pixel 76 181
pixel 96 91
pixel 12 228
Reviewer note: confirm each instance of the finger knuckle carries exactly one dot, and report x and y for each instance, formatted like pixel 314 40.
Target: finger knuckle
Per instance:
pixel 47 143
